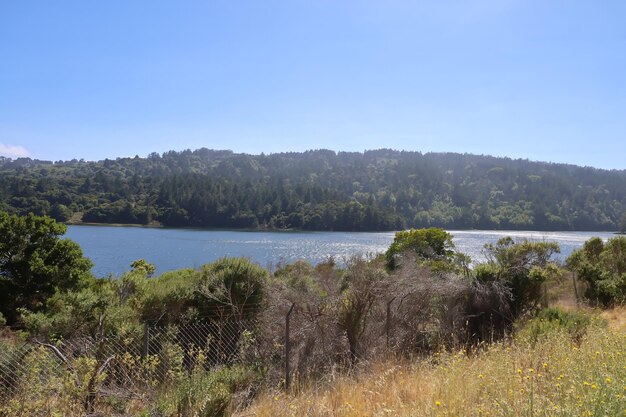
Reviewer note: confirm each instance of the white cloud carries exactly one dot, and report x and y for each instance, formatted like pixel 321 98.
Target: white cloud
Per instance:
pixel 13 151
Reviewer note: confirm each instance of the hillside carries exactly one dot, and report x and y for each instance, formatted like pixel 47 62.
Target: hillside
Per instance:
pixel 318 190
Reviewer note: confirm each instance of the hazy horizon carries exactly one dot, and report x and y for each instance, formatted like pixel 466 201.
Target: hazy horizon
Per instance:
pixel 145 155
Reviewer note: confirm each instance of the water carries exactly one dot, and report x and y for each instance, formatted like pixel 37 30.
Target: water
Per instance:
pixel 112 249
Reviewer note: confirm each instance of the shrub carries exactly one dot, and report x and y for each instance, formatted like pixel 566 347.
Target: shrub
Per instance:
pixel 233 287
pixel 425 244
pixel 554 320
pixel 205 394
pixel 170 298
pixel 364 291
pixel 521 267
pixel 602 266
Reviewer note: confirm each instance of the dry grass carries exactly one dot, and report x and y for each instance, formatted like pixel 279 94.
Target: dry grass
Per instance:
pixel 562 293
pixel 555 376
pixel 616 318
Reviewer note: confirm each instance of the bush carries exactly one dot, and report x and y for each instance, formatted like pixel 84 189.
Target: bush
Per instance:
pixel 226 288
pixel 425 244
pixel 602 266
pixel 170 298
pixel 522 267
pixel 364 290
pixel 233 287
pixel 554 320
pixel 205 394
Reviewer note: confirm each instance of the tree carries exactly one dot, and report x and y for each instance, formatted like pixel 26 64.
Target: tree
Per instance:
pixel 35 263
pixel 145 266
pixel 431 244
pixel 61 213
pixel 603 267
pixel 521 267
pixel 318 190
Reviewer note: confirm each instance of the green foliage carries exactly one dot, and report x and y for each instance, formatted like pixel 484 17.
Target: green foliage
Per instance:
pixel 205 394
pixel 104 307
pixel 433 244
pixel 142 264
pixel 38 382
pixel 298 275
pixel 60 213
pixel 35 263
pixel 318 190
pixel 602 266
pixel 41 385
pixel 233 286
pixel 171 297
pixel 363 287
pixel 522 267
pixel 554 320
pixel 229 286
pixel 343 309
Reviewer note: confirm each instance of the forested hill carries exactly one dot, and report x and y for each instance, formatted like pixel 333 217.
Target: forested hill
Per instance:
pixel 318 190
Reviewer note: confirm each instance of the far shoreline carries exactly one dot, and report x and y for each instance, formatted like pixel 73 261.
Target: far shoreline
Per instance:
pixel 295 230
pixel 138 225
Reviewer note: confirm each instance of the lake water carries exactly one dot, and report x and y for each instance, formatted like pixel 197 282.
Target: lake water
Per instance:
pixel 112 249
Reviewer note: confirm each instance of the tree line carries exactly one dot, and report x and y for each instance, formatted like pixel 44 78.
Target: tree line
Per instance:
pixel 318 190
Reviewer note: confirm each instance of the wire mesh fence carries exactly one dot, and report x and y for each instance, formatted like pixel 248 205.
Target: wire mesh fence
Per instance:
pixel 290 341
pixel 127 366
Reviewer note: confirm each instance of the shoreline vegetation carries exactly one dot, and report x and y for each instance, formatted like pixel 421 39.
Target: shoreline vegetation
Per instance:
pixel 321 190
pixel 152 225
pixel 156 225
pixel 416 331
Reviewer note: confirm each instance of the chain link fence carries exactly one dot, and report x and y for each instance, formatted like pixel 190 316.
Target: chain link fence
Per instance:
pixel 290 342
pixel 139 366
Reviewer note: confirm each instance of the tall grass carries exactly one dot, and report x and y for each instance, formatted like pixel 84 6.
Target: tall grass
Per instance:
pixel 546 370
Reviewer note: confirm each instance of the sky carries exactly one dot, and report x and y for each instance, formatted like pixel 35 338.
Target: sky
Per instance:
pixel 533 79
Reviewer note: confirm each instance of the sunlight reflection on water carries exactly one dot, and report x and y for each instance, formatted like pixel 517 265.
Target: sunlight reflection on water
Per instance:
pixel 112 249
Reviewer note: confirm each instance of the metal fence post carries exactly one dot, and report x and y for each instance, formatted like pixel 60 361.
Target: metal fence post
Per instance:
pixel 287 349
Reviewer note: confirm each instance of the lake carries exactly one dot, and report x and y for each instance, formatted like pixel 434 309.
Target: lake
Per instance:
pixel 112 249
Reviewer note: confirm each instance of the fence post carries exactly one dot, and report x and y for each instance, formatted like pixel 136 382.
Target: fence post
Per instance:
pixel 146 340
pixel 287 349
pixel 388 322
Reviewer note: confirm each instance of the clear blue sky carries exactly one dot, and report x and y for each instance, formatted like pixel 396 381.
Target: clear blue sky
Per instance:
pixel 537 79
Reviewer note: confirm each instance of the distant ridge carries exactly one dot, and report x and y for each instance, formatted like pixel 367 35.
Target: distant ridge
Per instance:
pixel 319 190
